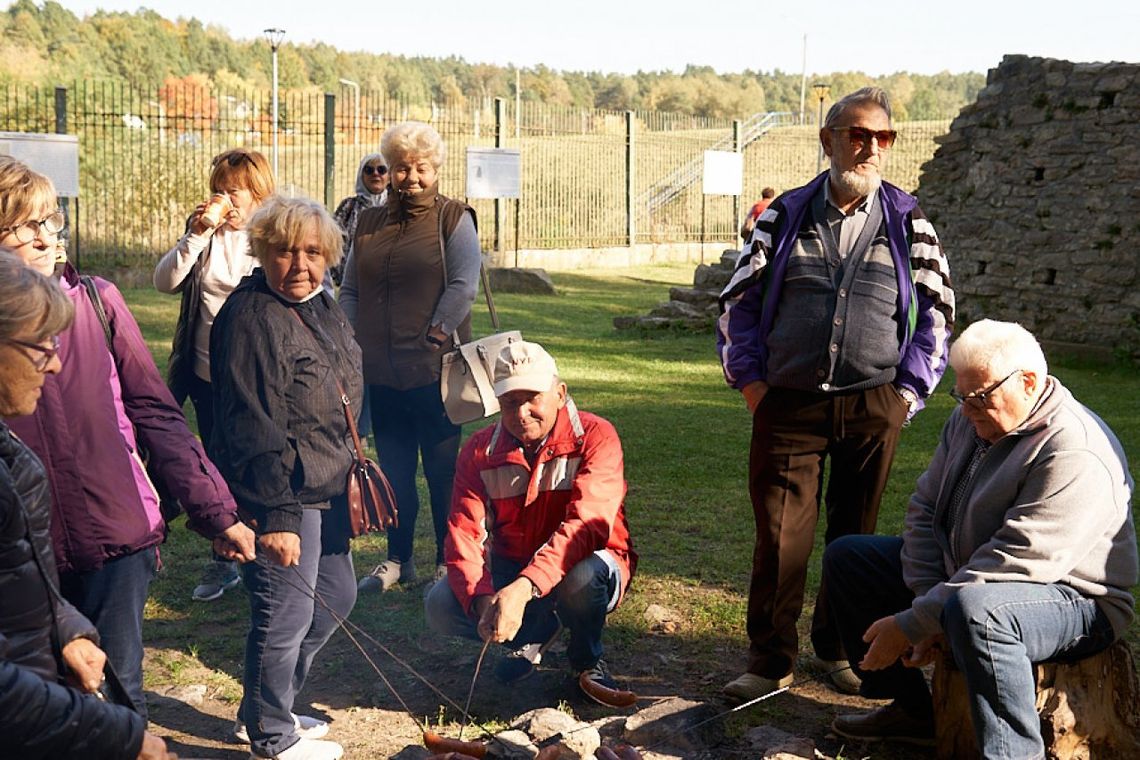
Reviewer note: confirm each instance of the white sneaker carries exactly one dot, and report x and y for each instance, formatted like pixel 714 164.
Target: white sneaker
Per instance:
pixel 306 727
pixel 307 749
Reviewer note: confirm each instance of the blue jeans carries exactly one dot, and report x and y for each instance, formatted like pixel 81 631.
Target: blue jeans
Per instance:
pixel 287 628
pixel 409 425
pixel 995 631
pixel 588 592
pixel 113 598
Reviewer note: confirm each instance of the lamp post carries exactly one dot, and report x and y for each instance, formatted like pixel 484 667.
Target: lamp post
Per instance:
pixel 274 36
pixel 821 89
pixel 355 114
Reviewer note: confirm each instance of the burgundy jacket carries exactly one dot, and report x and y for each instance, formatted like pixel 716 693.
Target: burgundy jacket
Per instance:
pixel 97 513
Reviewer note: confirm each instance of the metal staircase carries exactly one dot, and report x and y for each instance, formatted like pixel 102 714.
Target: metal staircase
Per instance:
pixel 752 129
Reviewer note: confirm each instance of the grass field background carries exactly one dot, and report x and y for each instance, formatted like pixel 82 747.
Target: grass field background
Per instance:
pixel 685 437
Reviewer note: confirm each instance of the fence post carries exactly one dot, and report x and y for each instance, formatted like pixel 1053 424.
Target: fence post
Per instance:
pixel 65 202
pixel 330 150
pixel 736 147
pixel 630 230
pixel 500 108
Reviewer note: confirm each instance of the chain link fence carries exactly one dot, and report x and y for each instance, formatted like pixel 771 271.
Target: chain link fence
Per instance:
pixel 590 178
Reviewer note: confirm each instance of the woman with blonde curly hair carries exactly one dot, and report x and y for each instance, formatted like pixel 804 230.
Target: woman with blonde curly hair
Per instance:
pixel 281 355
pixel 408 287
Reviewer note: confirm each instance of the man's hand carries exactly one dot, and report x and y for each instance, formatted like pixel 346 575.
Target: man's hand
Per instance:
pixel 754 393
pixel 282 547
pixel 502 615
pixel 924 651
pixel 85 661
pixel 237 542
pixel 154 748
pixel 888 644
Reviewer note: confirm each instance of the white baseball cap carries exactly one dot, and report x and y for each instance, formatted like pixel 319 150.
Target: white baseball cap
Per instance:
pixel 524 366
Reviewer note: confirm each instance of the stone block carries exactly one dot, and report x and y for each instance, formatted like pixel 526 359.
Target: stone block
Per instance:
pixel 519 280
pixel 512 745
pixel 576 738
pixel 666 722
pixel 694 296
pixel 710 278
pixel 677 309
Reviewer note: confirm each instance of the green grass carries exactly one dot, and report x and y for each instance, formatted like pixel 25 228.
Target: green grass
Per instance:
pixel 685 438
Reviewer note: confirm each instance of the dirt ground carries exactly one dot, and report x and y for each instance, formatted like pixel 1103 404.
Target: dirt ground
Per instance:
pixel 371 723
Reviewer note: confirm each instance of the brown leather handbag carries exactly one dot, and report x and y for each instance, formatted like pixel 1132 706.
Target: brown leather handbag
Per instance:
pixel 371 502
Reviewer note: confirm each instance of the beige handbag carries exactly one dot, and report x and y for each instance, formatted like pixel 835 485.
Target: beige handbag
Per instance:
pixel 467 377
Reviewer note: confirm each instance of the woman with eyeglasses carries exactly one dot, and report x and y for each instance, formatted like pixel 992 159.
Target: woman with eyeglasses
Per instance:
pixel 94 416
pixel 49 652
pixel 409 282
pixel 204 267
pixel 371 190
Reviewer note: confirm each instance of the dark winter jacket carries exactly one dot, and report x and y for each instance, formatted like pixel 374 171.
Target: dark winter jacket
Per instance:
pixel 41 720
pixel 280 435
pixel 36 621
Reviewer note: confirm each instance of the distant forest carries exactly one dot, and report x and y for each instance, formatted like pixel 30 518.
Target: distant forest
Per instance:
pixel 48 44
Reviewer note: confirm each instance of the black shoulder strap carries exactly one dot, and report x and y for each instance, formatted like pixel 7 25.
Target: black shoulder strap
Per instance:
pixel 100 311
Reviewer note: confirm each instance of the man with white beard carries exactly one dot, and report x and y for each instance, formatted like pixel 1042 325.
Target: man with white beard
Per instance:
pixel 834 328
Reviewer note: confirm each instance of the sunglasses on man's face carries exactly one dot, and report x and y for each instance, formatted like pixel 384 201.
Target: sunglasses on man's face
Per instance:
pixel 370 170
pixel 860 137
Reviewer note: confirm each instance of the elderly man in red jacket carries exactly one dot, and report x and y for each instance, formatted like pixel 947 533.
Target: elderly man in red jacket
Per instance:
pixel 537 539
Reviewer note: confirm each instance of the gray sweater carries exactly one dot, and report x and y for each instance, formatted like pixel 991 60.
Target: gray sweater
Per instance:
pixel 1049 503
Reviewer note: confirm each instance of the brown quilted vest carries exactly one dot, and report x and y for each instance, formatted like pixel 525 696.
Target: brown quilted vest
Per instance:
pixel 398 254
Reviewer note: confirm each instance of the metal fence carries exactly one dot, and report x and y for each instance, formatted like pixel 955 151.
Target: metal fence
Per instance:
pixel 591 178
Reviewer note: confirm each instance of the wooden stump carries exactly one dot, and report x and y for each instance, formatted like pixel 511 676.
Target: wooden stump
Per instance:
pixel 1089 709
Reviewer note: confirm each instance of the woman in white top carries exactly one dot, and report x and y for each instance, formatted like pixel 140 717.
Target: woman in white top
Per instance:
pixel 204 267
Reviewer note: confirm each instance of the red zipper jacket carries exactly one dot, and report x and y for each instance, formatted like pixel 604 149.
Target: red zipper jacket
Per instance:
pixel 549 516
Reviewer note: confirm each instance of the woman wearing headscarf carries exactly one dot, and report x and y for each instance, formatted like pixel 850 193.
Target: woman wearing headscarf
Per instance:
pixel 283 365
pixel 371 190
pixel 104 406
pixel 204 267
pixel 409 283
pixel 49 652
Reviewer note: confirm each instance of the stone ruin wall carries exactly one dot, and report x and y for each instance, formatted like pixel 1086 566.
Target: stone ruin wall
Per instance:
pixel 1035 193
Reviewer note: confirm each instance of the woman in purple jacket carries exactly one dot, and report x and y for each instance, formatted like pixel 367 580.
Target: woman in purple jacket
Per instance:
pixel 49 652
pixel 106 403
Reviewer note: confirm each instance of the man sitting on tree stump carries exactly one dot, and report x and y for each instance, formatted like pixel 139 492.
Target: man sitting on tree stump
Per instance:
pixel 1019 547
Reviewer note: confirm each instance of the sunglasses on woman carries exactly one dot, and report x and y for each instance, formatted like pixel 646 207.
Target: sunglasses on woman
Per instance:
pixel 370 170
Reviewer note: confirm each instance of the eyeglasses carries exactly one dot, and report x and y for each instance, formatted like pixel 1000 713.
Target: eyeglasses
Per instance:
pixel 860 137
pixel 370 170
pixel 981 398
pixel 30 230
pixel 45 354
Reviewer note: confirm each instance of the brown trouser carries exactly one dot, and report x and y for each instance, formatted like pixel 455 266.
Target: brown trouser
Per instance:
pixel 792 432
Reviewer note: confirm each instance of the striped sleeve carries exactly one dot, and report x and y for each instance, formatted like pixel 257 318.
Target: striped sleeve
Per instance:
pixel 743 354
pixel 926 355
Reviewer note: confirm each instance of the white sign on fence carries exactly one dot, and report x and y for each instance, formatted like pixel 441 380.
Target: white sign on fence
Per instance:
pixel 56 156
pixel 494 173
pixel 724 173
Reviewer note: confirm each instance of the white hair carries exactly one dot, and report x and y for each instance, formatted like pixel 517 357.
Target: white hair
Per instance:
pixel 1000 347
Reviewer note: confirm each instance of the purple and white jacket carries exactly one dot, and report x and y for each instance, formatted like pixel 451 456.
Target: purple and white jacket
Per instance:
pixel 926 297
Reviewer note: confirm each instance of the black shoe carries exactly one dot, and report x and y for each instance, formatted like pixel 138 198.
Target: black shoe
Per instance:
pixel 600 673
pixel 520 663
pixel 890 722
